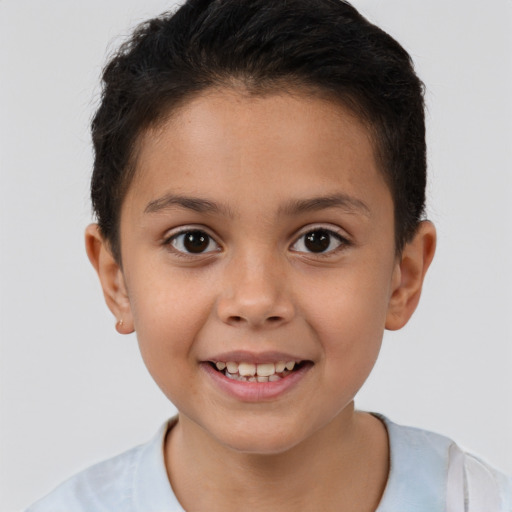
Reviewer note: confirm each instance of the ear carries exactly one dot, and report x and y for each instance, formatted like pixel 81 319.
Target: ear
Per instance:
pixel 111 278
pixel 409 274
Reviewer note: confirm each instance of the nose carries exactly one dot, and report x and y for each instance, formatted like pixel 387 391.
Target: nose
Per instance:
pixel 255 294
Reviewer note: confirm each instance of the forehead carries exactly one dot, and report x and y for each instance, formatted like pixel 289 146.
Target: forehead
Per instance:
pixel 233 144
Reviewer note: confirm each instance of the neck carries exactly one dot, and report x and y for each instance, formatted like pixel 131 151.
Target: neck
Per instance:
pixel 342 466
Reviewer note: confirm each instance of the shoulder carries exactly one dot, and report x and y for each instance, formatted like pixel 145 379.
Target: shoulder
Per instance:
pixel 103 485
pixel 476 484
pixel 121 483
pixel 430 468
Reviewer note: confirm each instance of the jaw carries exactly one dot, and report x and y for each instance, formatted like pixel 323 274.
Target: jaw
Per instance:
pixel 265 432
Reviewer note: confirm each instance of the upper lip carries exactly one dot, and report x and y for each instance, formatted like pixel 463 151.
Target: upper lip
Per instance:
pixel 255 357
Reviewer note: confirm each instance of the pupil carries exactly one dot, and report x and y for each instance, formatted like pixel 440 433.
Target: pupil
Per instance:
pixel 196 241
pixel 317 241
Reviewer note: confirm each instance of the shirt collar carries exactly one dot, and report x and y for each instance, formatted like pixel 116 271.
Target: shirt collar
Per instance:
pixel 418 470
pixel 152 491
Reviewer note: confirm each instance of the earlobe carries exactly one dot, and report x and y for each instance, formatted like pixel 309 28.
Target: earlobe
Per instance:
pixel 409 274
pixel 111 278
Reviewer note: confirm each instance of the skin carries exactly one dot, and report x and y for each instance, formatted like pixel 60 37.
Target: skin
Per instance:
pixel 258 288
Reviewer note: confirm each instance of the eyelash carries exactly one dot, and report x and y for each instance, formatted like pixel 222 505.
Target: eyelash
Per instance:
pixel 170 240
pixel 331 234
pixel 173 238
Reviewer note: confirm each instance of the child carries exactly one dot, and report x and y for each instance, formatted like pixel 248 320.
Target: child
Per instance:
pixel 259 187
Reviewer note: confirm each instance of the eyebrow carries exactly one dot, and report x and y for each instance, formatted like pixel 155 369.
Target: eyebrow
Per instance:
pixel 190 203
pixel 343 201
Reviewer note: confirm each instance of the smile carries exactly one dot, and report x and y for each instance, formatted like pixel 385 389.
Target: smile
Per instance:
pixel 251 372
pixel 256 377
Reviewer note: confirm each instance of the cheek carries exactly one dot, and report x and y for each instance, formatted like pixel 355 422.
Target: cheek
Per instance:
pixel 351 346
pixel 348 313
pixel 168 313
pixel 165 299
pixel 352 301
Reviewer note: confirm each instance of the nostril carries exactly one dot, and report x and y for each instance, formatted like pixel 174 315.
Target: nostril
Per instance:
pixel 236 319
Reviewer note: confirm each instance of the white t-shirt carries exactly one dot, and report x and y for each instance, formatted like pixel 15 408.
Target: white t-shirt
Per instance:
pixel 428 473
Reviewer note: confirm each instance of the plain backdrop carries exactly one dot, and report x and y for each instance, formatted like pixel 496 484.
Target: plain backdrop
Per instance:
pixel 74 392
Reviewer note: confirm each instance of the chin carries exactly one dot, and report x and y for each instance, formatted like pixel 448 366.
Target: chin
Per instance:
pixel 252 445
pixel 262 437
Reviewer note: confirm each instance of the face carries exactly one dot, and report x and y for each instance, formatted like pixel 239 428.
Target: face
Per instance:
pixel 259 233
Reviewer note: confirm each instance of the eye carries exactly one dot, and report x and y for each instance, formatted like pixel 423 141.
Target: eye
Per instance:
pixel 193 241
pixel 319 241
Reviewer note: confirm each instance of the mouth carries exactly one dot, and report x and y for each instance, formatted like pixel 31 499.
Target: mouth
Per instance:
pixel 257 372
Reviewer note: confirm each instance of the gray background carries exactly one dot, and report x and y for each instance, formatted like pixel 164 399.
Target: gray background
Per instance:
pixel 74 392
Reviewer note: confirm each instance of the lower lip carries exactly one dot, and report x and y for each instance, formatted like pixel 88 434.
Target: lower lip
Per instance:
pixel 256 391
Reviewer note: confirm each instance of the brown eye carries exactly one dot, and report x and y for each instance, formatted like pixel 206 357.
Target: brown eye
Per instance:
pixel 319 241
pixel 193 242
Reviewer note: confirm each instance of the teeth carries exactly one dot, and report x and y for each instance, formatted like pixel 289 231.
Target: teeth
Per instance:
pixel 232 367
pixel 250 372
pixel 246 369
pixel 266 369
pixel 280 367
